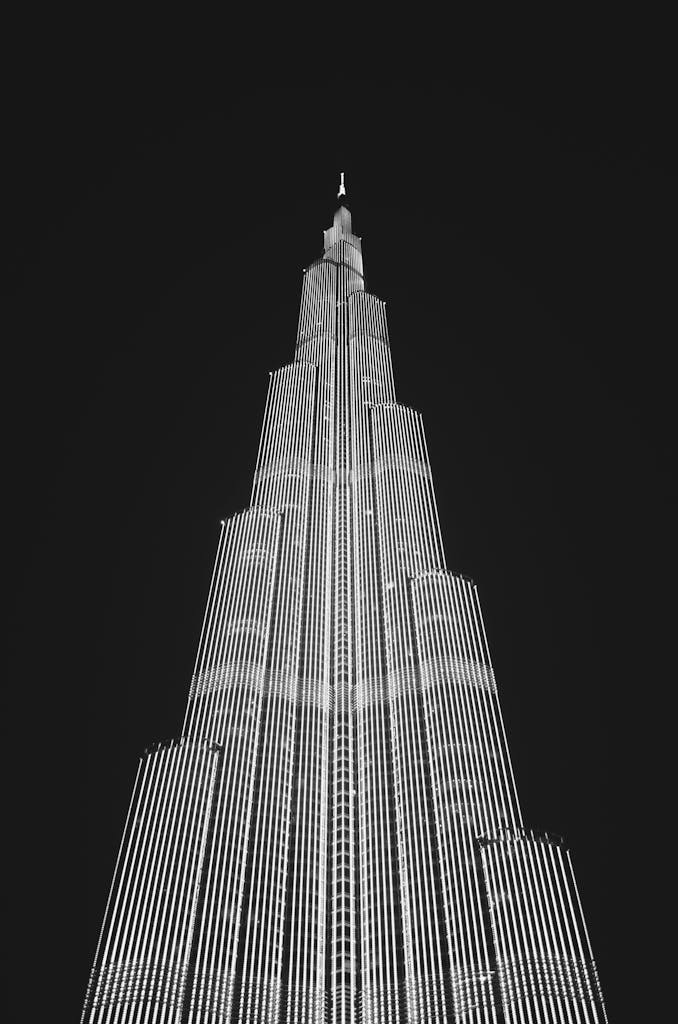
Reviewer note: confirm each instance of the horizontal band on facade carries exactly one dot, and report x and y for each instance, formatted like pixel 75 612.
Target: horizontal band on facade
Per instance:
pixel 261 999
pixel 362 336
pixel 401 682
pixel 458 671
pixel 425 676
pixel 312 691
pixel 518 835
pixel 300 468
pixel 294 468
pixel 335 263
pixel 306 337
pixel 468 987
pixel 140 981
pixel 215 993
pixel 282 683
pixel 212 992
pixel 571 979
pixel 389 686
pixel 352 339
pixel 235 673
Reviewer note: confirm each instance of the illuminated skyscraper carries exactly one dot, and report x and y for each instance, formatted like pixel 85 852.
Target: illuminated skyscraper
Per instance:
pixel 336 835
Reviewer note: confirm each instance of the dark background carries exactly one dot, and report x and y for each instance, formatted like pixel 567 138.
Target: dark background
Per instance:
pixel 520 228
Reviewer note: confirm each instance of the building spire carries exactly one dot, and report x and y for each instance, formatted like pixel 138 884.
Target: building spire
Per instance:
pixel 342 187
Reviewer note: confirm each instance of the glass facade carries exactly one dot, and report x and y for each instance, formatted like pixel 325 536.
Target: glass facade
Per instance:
pixel 336 836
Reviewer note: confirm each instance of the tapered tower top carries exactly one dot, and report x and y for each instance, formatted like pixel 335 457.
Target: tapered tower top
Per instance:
pixel 341 230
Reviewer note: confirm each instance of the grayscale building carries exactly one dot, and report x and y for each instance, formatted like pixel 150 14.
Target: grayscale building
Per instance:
pixel 336 834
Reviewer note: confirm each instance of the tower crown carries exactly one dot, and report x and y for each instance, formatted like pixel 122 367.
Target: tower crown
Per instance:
pixel 341 230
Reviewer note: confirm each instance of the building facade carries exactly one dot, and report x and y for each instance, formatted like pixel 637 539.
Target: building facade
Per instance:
pixel 336 835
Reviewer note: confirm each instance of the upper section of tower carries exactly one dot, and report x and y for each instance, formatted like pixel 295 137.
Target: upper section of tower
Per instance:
pixel 341 245
pixel 341 230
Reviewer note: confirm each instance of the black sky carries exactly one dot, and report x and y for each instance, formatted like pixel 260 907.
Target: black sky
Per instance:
pixel 520 232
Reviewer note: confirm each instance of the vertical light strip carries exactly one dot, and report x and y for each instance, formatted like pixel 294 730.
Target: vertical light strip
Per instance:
pixel 547 973
pixel 141 965
pixel 234 673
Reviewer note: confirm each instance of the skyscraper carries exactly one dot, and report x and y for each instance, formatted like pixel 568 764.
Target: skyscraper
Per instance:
pixel 336 835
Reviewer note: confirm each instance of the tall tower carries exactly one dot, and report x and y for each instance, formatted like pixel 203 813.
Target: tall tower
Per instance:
pixel 336 835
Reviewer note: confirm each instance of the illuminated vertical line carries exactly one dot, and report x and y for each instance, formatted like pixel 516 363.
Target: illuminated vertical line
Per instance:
pixel 256 533
pixel 569 950
pixel 483 720
pixel 223 646
pixel 478 706
pixel 595 989
pixel 208 608
pixel 429 594
pixel 195 701
pixel 525 930
pixel 162 880
pixel 143 819
pixel 521 997
pixel 119 874
pixel 512 789
pixel 552 930
pixel 204 696
pixel 164 855
pixel 539 936
pixel 258 463
pixel 179 924
pixel 148 844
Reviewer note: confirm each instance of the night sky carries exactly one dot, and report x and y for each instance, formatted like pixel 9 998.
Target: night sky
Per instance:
pixel 155 239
